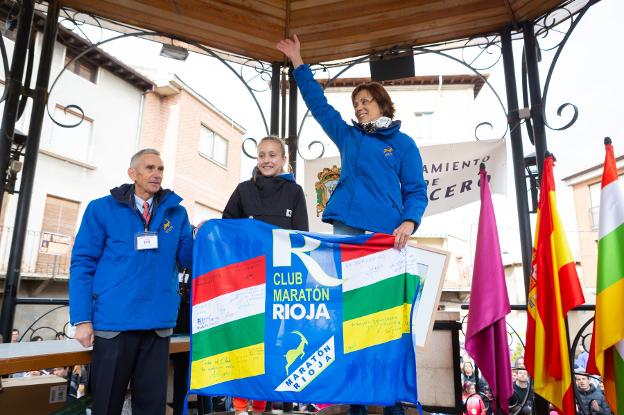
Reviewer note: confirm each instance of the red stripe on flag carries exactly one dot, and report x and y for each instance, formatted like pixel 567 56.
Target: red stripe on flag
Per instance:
pixel 610 170
pixel 376 243
pixel 228 279
pixel 569 407
pixel 608 378
pixel 571 295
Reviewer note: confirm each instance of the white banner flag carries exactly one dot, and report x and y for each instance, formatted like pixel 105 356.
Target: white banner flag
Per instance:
pixel 452 172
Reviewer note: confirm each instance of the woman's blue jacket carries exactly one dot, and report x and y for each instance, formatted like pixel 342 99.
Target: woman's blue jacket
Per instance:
pixel 381 181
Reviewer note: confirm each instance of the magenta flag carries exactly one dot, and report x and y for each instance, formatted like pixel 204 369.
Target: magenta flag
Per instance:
pixel 486 336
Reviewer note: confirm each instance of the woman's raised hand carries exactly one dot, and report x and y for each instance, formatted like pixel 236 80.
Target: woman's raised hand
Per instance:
pixel 292 49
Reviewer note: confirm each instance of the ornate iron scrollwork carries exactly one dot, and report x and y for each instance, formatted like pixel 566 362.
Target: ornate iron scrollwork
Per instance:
pixel 548 25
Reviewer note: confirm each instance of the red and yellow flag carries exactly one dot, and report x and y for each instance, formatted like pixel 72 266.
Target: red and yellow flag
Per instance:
pixel 554 290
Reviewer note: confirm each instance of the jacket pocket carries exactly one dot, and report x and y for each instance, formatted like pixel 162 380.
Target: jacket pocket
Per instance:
pixel 395 204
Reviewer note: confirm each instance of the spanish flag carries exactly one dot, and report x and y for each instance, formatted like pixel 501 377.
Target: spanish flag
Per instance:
pixel 554 290
pixel 607 346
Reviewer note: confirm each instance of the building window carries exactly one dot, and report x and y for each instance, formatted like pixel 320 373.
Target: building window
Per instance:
pixel 594 210
pixel 424 125
pixel 74 143
pixel 81 66
pixel 213 146
pixel 57 235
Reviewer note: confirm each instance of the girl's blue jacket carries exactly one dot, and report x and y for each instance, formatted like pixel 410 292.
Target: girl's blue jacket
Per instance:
pixel 381 181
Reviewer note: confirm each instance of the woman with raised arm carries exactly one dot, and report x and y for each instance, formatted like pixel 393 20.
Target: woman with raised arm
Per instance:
pixel 381 187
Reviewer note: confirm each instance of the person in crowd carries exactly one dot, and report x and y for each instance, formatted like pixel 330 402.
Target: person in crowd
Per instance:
pixel 15 333
pixel 59 335
pixel 473 403
pixel 77 379
pixel 274 197
pixel 468 373
pixel 521 397
pixel 580 361
pixel 123 295
pixel 591 399
pixel 36 339
pixel 518 364
pixel 381 187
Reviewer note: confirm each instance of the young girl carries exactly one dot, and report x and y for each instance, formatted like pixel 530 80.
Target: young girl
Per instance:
pixel 271 196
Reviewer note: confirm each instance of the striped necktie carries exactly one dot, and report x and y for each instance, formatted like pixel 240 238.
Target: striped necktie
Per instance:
pixel 146 212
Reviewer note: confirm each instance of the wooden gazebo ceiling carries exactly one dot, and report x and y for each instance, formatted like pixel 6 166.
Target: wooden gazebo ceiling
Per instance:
pixel 328 29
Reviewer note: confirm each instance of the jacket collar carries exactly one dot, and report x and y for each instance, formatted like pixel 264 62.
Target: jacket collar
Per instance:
pixel 257 176
pixel 125 194
pixel 391 129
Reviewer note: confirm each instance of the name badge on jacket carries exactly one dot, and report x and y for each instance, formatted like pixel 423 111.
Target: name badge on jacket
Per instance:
pixel 145 240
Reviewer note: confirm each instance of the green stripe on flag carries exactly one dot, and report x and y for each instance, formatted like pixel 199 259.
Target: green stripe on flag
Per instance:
pixel 610 259
pixel 229 336
pixel 380 296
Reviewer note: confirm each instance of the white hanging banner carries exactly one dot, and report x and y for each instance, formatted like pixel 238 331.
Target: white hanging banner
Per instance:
pixel 452 172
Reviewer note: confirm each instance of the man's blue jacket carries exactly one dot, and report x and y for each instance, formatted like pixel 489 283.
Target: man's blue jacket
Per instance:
pixel 116 286
pixel 381 180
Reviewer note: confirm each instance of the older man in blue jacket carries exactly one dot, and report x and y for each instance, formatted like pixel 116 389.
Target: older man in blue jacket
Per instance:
pixel 123 286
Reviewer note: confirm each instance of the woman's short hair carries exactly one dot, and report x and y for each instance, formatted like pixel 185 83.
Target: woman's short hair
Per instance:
pixel 379 94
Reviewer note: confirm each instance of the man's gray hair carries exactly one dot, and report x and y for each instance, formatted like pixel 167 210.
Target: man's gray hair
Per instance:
pixel 134 161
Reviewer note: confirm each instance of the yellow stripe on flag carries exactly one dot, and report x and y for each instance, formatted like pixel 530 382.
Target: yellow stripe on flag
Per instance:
pixel 548 387
pixel 234 364
pixel 377 328
pixel 608 304
pixel 561 250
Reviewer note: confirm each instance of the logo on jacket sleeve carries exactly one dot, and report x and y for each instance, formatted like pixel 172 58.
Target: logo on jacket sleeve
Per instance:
pixel 289 213
pixel 388 151
pixel 167 227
